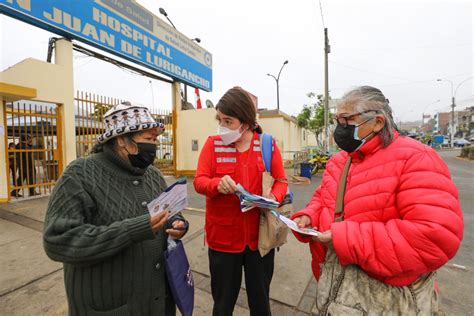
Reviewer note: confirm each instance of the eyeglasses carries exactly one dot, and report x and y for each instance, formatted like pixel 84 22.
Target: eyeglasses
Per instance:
pixel 344 120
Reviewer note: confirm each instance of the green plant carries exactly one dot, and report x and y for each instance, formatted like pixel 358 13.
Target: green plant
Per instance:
pixel 468 152
pixel 311 116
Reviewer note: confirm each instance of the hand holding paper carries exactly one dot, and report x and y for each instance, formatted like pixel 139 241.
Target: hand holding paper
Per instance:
pixel 157 221
pixel 293 226
pixel 249 201
pixel 174 199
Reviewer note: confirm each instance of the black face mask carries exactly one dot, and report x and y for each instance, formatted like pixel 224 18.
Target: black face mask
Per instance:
pixel 346 137
pixel 145 156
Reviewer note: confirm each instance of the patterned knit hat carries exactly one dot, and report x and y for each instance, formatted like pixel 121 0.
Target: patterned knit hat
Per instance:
pixel 127 118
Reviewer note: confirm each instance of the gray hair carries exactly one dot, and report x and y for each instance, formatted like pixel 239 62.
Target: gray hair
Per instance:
pixel 366 98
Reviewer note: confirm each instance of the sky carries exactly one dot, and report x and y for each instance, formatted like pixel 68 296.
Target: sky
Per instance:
pixel 401 47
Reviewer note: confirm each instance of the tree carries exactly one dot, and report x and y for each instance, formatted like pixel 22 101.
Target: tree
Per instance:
pixel 99 110
pixel 311 116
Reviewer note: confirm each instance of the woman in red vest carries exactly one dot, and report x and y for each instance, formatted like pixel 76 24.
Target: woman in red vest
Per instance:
pixel 232 157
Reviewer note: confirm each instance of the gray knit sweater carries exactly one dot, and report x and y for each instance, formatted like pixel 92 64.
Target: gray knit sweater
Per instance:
pixel 98 225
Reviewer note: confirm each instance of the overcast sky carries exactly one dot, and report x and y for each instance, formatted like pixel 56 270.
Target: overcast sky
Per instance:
pixel 401 47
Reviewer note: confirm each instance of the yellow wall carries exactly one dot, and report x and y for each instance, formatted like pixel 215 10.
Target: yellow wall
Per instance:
pixel 200 124
pixel 193 124
pixel 3 162
pixel 288 135
pixel 54 84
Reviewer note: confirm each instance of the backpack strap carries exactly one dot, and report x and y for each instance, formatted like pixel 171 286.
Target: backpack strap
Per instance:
pixel 266 144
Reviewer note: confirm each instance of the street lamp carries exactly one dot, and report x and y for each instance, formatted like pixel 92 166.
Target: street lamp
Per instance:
pixel 162 11
pixel 152 96
pixel 196 39
pixel 277 79
pixel 453 103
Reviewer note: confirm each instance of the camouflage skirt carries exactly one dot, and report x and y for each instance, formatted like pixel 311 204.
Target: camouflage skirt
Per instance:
pixel 350 291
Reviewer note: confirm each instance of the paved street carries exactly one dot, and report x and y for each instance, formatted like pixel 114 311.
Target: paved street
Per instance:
pixel 31 284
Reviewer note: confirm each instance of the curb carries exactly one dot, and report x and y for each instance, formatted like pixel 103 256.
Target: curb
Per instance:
pixel 464 159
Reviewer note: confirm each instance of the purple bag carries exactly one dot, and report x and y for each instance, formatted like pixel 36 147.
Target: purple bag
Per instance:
pixel 180 277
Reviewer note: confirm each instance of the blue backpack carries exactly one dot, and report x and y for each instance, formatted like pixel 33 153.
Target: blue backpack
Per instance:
pixel 266 143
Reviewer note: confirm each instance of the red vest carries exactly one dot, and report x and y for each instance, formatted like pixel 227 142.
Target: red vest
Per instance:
pixel 227 228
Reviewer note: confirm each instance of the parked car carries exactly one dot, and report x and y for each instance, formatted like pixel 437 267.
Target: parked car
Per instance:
pixel 461 142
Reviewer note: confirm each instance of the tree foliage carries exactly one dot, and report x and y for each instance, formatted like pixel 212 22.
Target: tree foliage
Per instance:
pixel 311 116
pixel 99 110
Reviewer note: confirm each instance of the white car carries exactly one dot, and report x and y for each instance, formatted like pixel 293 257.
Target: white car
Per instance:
pixel 461 142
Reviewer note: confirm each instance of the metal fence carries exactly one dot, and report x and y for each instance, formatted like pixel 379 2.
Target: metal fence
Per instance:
pixel 90 109
pixel 89 112
pixel 33 135
pixel 165 150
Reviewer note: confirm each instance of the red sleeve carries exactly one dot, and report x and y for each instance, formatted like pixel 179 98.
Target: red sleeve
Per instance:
pixel 204 182
pixel 313 210
pixel 280 187
pixel 427 234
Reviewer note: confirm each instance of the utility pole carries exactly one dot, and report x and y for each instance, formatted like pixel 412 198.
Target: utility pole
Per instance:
pixel 327 50
pixel 453 104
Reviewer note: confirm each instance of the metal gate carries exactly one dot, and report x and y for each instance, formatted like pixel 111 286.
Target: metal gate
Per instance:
pixel 165 151
pixel 89 112
pixel 33 135
pixel 90 109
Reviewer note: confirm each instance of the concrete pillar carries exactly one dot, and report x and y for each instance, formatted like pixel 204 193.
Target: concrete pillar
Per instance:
pixel 3 161
pixel 176 99
pixel 64 58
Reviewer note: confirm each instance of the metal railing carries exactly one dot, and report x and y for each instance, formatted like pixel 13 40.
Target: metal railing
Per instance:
pixel 89 112
pixel 90 109
pixel 34 150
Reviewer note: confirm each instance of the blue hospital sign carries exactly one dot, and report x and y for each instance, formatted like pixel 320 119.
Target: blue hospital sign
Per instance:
pixel 123 28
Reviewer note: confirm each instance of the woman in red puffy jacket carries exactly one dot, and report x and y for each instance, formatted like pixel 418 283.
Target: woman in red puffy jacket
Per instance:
pixel 400 220
pixel 232 157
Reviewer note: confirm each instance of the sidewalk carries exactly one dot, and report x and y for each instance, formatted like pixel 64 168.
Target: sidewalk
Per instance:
pixel 32 284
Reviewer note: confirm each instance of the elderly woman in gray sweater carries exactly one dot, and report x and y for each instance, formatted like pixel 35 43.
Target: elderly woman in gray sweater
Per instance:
pixel 98 225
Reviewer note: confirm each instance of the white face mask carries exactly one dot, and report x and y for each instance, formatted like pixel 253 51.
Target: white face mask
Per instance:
pixel 228 135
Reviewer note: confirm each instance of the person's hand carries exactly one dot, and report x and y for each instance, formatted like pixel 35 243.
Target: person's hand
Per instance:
pixel 325 238
pixel 157 221
pixel 227 185
pixel 178 230
pixel 269 195
pixel 303 221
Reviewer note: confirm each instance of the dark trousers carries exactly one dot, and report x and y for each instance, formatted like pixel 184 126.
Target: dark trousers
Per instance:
pixel 29 177
pixel 226 278
pixel 13 172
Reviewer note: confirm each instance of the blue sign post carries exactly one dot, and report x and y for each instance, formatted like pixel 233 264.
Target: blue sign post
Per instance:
pixel 123 28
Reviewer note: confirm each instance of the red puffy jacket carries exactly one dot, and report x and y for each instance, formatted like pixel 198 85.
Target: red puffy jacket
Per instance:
pixel 402 216
pixel 227 228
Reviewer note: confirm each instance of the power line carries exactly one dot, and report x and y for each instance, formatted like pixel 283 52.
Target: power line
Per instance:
pixel 322 15
pixel 422 81
pixel 369 72
pixel 405 47
pixel 128 68
pixel 395 77
pixel 80 66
